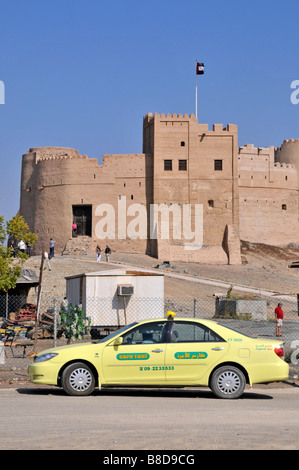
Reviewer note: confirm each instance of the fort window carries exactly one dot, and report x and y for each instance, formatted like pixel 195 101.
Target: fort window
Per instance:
pixel 218 165
pixel 182 144
pixel 125 185
pixel 286 178
pixel 284 207
pixel 167 165
pixel 211 203
pixel 132 197
pixel 182 165
pixel 139 184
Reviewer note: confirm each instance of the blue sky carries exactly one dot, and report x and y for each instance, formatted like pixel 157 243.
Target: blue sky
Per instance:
pixel 83 74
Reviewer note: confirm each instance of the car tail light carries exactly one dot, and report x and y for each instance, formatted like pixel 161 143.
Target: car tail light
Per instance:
pixel 279 351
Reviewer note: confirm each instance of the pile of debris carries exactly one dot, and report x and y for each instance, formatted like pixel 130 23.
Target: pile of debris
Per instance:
pixel 24 322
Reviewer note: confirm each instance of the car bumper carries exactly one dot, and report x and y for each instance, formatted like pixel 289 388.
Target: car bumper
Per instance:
pixel 44 373
pixel 266 373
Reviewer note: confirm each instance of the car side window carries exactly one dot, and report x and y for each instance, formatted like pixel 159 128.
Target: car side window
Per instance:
pixel 188 332
pixel 147 333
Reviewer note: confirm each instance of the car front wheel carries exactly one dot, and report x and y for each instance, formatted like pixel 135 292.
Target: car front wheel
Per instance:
pixel 78 379
pixel 228 382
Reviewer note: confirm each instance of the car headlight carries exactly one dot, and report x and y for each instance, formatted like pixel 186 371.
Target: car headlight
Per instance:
pixel 45 357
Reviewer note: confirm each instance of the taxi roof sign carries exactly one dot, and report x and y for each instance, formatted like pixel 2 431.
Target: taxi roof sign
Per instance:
pixel 170 315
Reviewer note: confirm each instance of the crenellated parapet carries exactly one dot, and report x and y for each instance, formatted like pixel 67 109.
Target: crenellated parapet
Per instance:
pixel 288 153
pixel 180 118
pixel 53 153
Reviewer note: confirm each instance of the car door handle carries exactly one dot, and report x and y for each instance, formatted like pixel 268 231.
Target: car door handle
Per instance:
pixel 157 350
pixel 217 349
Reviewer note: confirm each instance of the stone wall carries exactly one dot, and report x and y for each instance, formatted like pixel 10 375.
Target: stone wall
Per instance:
pixel 268 194
pixel 248 192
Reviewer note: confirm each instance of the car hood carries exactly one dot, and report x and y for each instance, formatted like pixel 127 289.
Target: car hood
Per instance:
pixel 66 347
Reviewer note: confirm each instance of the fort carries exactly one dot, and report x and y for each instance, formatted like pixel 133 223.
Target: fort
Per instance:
pixel 244 193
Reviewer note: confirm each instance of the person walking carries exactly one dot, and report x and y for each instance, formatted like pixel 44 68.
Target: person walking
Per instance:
pixel 47 261
pixel 99 254
pixel 279 319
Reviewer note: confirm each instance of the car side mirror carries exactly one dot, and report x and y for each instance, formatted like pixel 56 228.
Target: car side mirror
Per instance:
pixel 118 341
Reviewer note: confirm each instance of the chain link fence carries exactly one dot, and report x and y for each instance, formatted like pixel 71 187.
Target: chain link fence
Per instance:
pixel 26 328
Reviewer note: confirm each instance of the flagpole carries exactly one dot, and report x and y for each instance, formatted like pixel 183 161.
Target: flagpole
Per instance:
pixel 196 98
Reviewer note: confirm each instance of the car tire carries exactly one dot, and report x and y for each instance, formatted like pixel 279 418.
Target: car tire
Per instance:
pixel 78 379
pixel 228 382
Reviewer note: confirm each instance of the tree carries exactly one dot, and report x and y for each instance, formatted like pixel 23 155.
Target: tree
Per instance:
pixel 73 322
pixel 10 267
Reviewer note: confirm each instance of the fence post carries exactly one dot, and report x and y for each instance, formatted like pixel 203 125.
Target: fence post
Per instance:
pixel 194 308
pixel 55 325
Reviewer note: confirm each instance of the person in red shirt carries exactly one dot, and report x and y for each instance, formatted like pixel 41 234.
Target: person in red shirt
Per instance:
pixel 279 318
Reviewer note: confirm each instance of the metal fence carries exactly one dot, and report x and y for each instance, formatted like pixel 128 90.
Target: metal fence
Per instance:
pixel 26 329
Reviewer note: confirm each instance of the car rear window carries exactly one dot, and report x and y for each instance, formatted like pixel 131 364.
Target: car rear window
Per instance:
pixel 236 331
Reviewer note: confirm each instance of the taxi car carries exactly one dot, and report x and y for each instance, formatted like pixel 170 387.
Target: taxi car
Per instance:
pixel 167 352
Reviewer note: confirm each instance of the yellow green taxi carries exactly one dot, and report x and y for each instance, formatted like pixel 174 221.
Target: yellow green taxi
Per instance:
pixel 167 352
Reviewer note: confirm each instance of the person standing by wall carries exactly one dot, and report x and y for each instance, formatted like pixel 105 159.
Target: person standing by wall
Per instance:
pixel 51 254
pixel 107 253
pixel 22 246
pixel 279 319
pixel 74 229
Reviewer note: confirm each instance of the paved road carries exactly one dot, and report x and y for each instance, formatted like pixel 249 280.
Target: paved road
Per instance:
pixel 44 418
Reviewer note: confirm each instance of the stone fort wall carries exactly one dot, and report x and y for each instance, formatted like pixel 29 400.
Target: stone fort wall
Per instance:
pixel 254 196
pixel 268 195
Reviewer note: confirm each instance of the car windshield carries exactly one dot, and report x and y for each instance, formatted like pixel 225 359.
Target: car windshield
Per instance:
pixel 236 331
pixel 117 332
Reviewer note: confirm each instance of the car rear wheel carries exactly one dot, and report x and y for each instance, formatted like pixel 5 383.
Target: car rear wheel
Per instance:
pixel 78 379
pixel 228 382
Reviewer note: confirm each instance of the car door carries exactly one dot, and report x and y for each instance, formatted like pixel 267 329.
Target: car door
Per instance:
pixel 140 359
pixel 192 350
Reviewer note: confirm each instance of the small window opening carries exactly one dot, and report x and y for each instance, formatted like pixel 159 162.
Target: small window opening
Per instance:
pixel 218 165
pixel 167 165
pixel 182 165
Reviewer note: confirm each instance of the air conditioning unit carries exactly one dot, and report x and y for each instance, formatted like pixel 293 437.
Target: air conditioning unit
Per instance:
pixel 125 290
